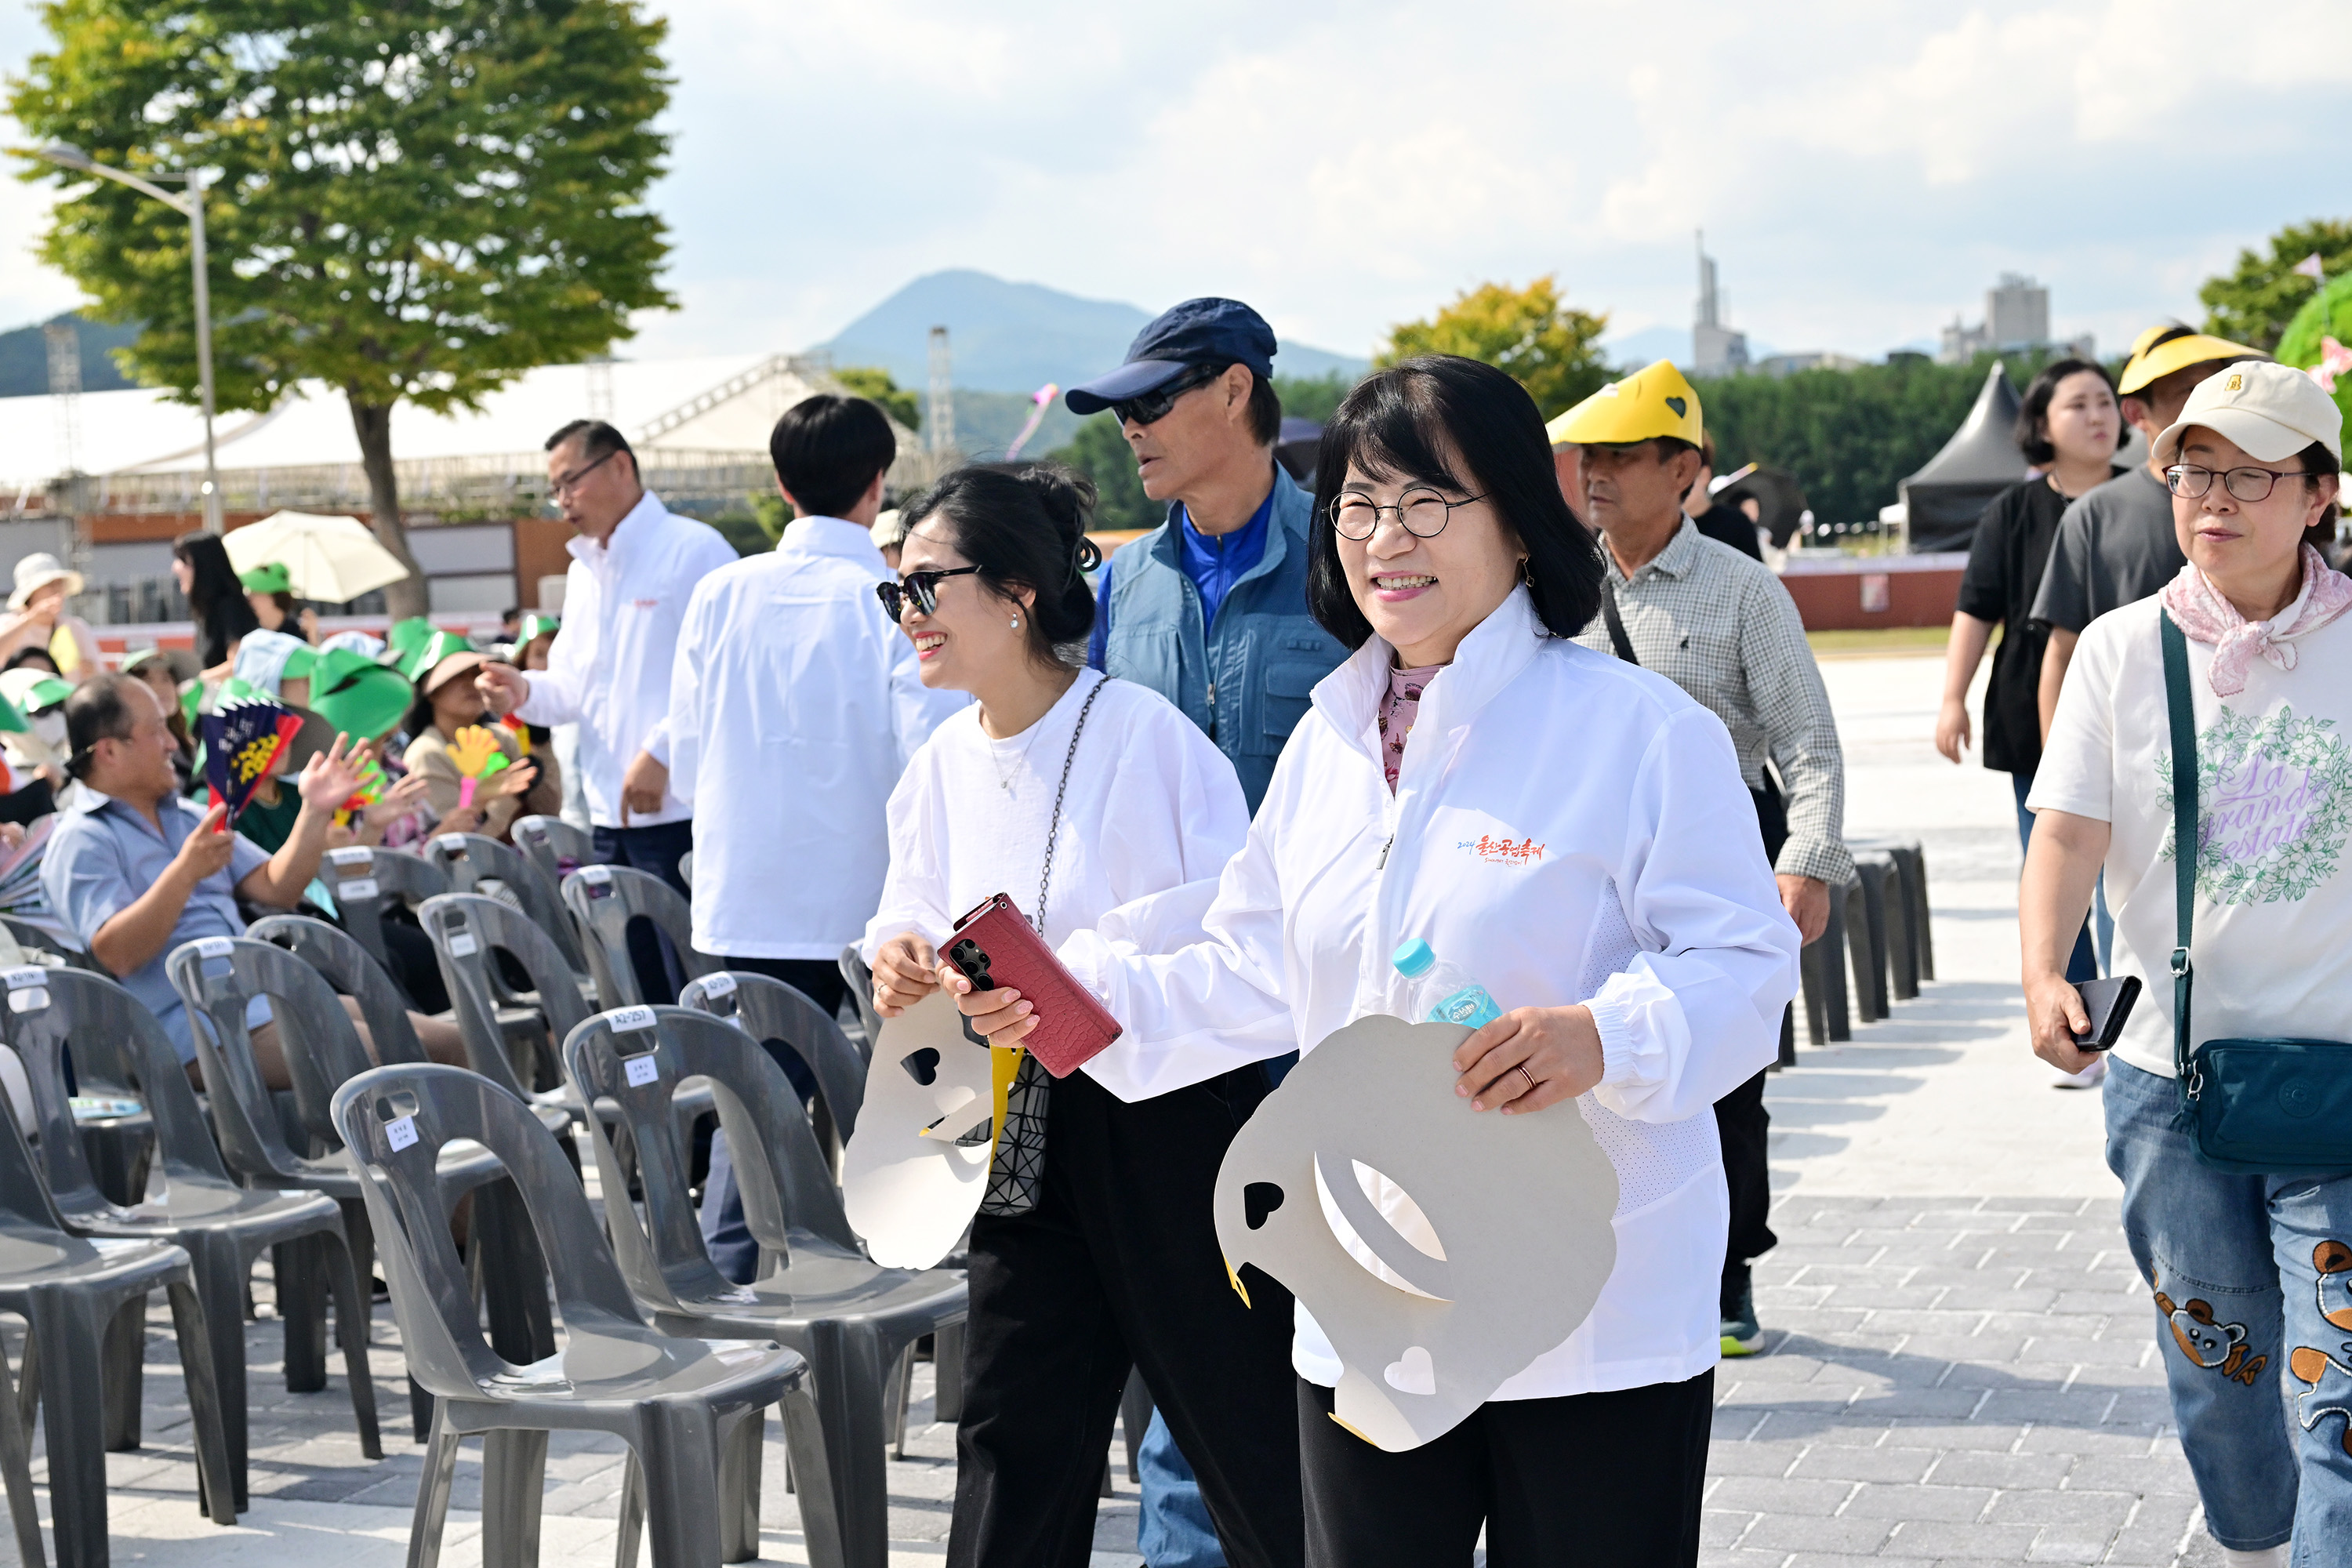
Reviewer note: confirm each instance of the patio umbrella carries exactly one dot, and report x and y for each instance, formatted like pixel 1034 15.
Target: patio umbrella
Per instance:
pixel 331 560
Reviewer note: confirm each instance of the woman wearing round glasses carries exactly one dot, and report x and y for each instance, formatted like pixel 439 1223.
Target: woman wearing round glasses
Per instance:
pixel 2237 1206
pixel 1076 795
pixel 1553 820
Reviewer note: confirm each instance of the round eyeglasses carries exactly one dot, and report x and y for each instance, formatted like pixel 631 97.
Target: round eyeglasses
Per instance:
pixel 1423 513
pixel 2191 482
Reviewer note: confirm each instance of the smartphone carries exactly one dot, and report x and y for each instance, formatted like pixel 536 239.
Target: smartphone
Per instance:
pixel 994 946
pixel 2109 1002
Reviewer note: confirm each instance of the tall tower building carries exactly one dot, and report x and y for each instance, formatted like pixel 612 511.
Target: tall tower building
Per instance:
pixel 1716 349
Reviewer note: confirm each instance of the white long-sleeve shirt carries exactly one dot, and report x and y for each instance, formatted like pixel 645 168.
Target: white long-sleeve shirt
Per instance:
pixel 794 705
pixel 608 669
pixel 1570 829
pixel 1152 806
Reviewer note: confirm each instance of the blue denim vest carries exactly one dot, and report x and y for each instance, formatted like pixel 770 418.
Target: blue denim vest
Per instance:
pixel 1244 681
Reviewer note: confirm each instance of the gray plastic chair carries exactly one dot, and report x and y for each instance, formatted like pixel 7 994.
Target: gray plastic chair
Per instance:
pixel 72 1294
pixel 473 859
pixel 367 882
pixel 465 928
pixel 323 1051
pixel 860 981
pixel 603 900
pixel 775 1014
pixel 551 842
pixel 119 1047
pixel 818 1292
pixel 691 1410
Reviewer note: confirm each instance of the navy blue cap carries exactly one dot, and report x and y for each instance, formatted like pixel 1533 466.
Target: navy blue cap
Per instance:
pixel 1198 331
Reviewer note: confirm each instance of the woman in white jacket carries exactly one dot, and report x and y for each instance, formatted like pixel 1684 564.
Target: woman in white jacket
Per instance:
pixel 1074 795
pixel 1574 830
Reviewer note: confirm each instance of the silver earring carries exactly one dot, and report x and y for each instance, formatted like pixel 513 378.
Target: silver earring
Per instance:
pixel 1016 623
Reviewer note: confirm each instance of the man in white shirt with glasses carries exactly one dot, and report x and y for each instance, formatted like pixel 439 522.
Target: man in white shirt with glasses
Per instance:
pixel 635 563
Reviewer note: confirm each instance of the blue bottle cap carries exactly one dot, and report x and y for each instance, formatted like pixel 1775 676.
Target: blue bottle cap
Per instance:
pixel 1412 958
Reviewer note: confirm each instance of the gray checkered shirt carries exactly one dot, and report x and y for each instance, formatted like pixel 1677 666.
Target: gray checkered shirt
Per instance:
pixel 1721 626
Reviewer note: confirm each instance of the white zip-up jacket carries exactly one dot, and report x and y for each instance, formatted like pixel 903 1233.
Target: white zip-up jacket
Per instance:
pixel 1570 829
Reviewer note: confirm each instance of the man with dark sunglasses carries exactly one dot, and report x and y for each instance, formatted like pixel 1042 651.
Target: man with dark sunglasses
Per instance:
pixel 1209 609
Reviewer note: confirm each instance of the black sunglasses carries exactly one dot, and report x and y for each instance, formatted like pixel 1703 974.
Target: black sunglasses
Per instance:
pixel 922 588
pixel 1153 407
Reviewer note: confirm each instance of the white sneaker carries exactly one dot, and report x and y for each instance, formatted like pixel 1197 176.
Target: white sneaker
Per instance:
pixel 2089 1077
pixel 2275 1557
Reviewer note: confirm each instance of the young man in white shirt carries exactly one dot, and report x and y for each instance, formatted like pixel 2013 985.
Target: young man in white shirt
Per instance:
pixel 794 704
pixel 634 565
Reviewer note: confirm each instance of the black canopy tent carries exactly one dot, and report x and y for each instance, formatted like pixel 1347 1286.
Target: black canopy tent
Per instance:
pixel 1982 459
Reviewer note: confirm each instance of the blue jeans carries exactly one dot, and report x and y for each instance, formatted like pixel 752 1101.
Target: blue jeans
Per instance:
pixel 2082 963
pixel 2251 1278
pixel 1174 1532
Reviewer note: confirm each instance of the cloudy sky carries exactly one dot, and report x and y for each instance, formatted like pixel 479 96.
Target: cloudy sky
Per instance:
pixel 1863 170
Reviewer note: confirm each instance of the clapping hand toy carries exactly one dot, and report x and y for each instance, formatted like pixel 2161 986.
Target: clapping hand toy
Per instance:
pixel 477 756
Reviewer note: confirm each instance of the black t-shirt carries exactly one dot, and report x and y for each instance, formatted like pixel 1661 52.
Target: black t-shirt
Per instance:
pixel 1729 525
pixel 2006 560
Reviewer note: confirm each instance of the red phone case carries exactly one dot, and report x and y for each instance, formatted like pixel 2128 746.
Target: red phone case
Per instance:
pixel 994 946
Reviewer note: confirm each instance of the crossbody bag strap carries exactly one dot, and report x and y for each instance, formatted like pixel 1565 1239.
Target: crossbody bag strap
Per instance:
pixel 1618 640
pixel 2178 706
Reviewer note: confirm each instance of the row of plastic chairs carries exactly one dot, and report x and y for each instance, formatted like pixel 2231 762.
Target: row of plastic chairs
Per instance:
pixel 1879 932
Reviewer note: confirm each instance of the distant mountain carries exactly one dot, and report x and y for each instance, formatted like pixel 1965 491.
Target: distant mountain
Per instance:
pixel 25 357
pixel 1015 337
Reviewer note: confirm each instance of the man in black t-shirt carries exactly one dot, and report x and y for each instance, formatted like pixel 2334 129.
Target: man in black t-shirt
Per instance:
pixel 2116 544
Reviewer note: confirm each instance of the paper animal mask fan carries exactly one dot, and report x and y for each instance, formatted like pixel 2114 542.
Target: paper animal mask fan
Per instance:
pixel 1439 1248
pixel 917 1167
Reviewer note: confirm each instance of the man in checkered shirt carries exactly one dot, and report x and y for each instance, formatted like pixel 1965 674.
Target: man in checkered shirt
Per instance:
pixel 1719 626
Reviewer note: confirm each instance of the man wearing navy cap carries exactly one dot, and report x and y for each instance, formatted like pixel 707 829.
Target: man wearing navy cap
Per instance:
pixel 1209 609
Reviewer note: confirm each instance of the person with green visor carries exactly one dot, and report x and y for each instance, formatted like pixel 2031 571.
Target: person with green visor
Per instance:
pixel 270 589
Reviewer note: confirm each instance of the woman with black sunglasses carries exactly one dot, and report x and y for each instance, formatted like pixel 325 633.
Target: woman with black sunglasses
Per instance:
pixel 1076 796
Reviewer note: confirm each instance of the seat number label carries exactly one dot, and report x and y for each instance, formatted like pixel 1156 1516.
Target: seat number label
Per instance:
pixel 719 985
pixel 642 1070
pixel 357 888
pixel 215 946
pixel 463 945
pixel 631 1018
pixel 400 1133
pixel 353 855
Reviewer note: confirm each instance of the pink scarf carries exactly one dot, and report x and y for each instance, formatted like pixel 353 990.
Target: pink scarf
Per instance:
pixel 2208 617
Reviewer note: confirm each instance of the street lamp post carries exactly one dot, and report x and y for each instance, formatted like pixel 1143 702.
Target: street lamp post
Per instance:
pixel 191 207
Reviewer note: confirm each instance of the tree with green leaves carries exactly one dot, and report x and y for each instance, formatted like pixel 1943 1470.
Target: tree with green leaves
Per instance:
pixel 2253 303
pixel 879 384
pixel 1531 334
pixel 1315 397
pixel 412 201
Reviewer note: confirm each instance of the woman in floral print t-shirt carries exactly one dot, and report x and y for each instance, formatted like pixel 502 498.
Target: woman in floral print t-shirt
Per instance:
pixel 2251 1275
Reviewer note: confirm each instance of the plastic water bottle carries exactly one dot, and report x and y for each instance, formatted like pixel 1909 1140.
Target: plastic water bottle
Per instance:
pixel 1444 993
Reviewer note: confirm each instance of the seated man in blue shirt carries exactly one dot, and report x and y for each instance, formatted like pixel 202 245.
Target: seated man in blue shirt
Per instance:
pixel 136 871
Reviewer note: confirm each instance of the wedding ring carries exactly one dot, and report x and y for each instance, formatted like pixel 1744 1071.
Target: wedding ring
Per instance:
pixel 1522 1071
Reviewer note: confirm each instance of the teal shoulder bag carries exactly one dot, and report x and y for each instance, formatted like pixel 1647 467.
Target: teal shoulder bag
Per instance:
pixel 2256 1106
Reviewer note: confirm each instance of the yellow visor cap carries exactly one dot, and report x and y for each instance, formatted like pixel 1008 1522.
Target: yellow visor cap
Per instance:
pixel 1651 401
pixel 2152 360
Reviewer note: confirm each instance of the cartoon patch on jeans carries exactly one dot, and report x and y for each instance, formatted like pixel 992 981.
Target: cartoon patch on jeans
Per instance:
pixel 2331 1381
pixel 2216 1347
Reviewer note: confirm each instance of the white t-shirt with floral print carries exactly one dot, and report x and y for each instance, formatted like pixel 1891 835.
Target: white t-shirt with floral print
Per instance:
pixel 2274 805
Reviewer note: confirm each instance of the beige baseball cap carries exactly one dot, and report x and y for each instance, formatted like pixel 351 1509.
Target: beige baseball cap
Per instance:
pixel 2273 411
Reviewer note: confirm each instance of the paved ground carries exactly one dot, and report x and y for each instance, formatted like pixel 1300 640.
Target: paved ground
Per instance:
pixel 1960 1363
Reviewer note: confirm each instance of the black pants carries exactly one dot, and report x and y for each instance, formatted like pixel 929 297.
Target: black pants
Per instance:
pixel 656 849
pixel 1118 1265
pixel 1744 1125
pixel 1589 1480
